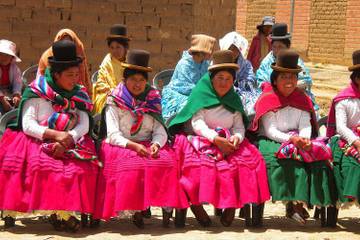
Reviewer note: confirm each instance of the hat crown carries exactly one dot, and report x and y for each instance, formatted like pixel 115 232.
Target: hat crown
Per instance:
pixel 64 50
pixel 138 57
pixel 118 29
pixel 202 43
pixel 287 59
pixel 222 56
pixel 268 20
pixel 356 57
pixel 8 45
pixel 279 30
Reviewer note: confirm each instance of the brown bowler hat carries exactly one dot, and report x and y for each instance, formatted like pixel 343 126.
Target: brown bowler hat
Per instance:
pixel 356 61
pixel 223 59
pixel 138 59
pixel 287 61
pixel 118 31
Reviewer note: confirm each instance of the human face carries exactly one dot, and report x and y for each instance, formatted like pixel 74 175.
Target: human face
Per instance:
pixel 68 78
pixel 199 57
pixel 5 59
pixel 222 82
pixel 286 83
pixel 277 46
pixel 136 84
pixel 235 52
pixel 117 50
pixel 267 30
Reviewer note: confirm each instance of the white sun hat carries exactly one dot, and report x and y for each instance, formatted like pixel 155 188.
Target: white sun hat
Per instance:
pixel 8 47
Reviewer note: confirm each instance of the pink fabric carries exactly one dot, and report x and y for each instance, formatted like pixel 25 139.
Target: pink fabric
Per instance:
pixel 320 151
pixel 349 149
pixel 230 183
pixel 254 54
pixel 131 182
pixel 32 180
pixel 349 92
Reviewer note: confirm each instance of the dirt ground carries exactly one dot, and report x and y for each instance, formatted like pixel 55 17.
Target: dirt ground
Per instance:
pixel 328 80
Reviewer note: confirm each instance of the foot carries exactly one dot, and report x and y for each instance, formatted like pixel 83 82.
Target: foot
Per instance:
pixel 201 215
pixel 166 218
pixel 138 220
pixel 146 213
pixel 257 215
pixel 227 217
pixel 72 224
pixel 180 218
pixel 84 220
pixel 218 212
pixel 295 212
pixel 9 222
pixel 94 223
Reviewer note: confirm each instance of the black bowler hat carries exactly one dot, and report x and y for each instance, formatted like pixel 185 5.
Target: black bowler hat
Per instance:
pixel 64 52
pixel 118 31
pixel 287 61
pixel 280 31
pixel 138 59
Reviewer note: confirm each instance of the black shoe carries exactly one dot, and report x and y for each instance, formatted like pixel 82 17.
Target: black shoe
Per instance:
pixel 332 215
pixel 227 217
pixel 166 218
pixel 247 215
pixel 257 215
pixel 9 222
pixel 180 217
pixel 146 213
pixel 72 224
pixel 241 213
pixel 201 215
pixel 218 212
pixel 84 220
pixel 57 224
pixel 138 220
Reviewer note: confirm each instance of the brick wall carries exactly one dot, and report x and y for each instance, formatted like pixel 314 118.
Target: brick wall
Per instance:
pixel 162 27
pixel 324 30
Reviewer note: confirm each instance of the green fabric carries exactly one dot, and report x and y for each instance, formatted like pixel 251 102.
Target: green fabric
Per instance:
pixel 347 173
pixel 204 96
pixel 28 94
pixel 291 180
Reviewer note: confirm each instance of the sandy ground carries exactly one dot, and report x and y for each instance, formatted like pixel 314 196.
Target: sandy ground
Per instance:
pixel 328 80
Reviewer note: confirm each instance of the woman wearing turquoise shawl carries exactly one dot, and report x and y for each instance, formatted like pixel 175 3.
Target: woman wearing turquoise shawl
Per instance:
pixel 191 67
pixel 48 162
pixel 218 164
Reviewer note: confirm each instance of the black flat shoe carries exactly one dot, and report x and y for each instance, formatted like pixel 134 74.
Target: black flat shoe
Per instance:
pixel 138 220
pixel 166 218
pixel 180 217
pixel 227 217
pixel 9 222
pixel 72 224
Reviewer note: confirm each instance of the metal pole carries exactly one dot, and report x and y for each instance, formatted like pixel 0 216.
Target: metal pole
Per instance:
pixel 292 16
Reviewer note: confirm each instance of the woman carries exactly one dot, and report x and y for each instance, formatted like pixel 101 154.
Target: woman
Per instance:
pixel 281 40
pixel 111 71
pixel 299 168
pixel 48 162
pixel 261 43
pixel 219 165
pixel 191 67
pixel 140 169
pixel 68 34
pixel 10 77
pixel 245 82
pixel 344 119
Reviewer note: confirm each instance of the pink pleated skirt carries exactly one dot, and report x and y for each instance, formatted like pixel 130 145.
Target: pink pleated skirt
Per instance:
pixel 131 182
pixel 230 183
pixel 31 180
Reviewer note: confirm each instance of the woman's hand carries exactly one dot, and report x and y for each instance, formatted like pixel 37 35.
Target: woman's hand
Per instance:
pixel 224 145
pixel 235 140
pixel 154 150
pixel 139 148
pixel 16 100
pixel 58 150
pixel 64 138
pixel 356 144
pixel 301 143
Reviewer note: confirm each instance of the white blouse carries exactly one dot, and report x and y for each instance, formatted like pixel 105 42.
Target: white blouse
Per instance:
pixel 277 125
pixel 118 124
pixel 36 110
pixel 206 120
pixel 347 117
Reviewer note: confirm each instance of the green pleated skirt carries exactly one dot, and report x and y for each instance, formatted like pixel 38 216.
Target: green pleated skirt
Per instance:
pixel 291 180
pixel 347 174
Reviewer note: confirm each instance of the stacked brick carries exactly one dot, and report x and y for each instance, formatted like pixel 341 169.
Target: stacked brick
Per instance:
pixel 163 27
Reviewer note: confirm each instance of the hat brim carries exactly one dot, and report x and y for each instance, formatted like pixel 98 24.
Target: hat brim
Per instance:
pixel 288 70
pixel 287 36
pixel 8 52
pixel 137 67
pixel 78 60
pixel 354 67
pixel 265 24
pixel 118 36
pixel 223 66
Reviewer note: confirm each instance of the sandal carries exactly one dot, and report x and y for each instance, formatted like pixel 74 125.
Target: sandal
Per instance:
pixel 295 212
pixel 72 224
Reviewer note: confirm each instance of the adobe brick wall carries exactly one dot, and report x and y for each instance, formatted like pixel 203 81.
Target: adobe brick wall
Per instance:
pixel 163 27
pixel 324 30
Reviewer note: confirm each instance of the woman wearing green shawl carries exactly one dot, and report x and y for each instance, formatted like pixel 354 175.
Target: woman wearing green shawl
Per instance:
pixel 46 160
pixel 218 164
